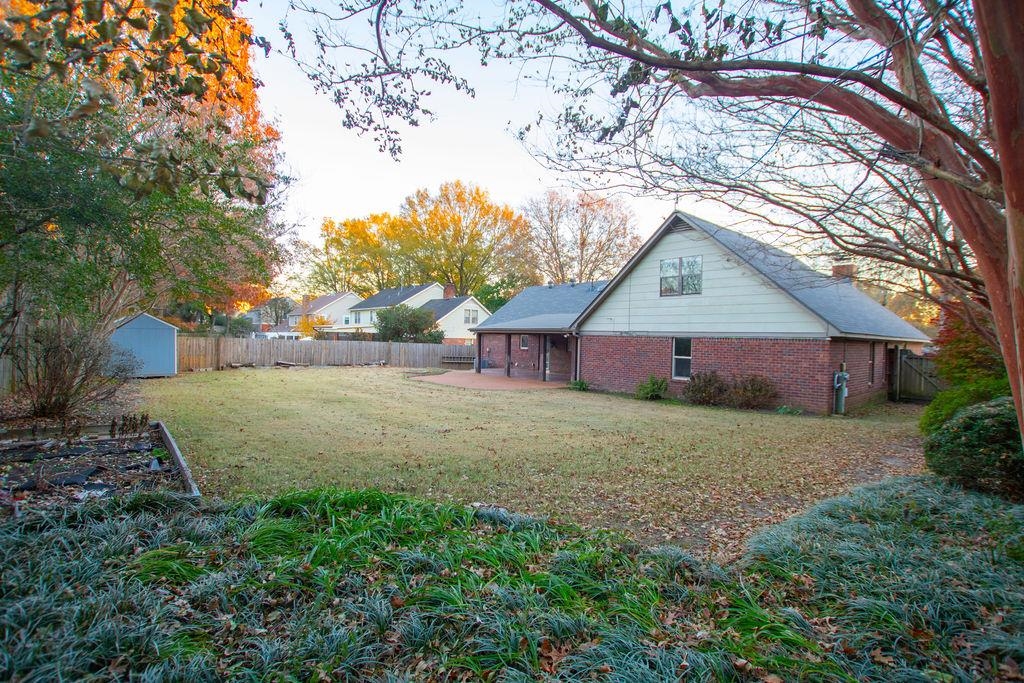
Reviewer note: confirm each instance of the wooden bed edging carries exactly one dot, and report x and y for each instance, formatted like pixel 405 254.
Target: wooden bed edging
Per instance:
pixel 179 459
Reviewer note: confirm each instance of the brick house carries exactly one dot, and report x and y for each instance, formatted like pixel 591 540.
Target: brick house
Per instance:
pixel 697 297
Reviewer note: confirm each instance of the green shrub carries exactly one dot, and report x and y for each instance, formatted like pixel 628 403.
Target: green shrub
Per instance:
pixel 979 446
pixel 752 392
pixel 707 389
pixel 579 385
pixel 947 402
pixel 655 388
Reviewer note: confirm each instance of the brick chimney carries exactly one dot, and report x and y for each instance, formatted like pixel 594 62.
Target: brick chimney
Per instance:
pixel 846 269
pixel 449 290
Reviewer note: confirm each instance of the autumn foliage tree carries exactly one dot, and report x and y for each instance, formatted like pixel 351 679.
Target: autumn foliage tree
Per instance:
pixel 308 324
pixel 457 235
pixel 581 238
pixel 460 235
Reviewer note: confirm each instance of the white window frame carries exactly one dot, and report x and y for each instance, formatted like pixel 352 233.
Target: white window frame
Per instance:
pixel 470 316
pixel 524 342
pixel 346 320
pixel 681 275
pixel 675 358
pixel 358 317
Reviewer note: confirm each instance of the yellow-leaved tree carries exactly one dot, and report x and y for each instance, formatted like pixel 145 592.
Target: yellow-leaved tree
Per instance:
pixel 374 249
pixel 308 323
pixel 460 235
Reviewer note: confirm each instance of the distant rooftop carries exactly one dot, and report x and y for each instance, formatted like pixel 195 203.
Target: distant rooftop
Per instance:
pixel 390 297
pixel 442 307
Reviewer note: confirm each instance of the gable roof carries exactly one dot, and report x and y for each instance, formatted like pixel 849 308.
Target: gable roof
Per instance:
pixel 835 300
pixel 442 307
pixel 391 297
pixel 315 305
pixel 544 308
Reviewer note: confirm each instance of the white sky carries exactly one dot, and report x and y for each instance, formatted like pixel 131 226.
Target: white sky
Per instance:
pixel 342 175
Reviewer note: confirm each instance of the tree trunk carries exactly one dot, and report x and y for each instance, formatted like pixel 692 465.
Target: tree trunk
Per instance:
pixel 1000 27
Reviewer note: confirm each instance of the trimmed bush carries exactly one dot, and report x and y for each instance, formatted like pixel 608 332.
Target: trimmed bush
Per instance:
pixel 752 392
pixel 655 388
pixel 707 389
pixel 979 447
pixel 947 402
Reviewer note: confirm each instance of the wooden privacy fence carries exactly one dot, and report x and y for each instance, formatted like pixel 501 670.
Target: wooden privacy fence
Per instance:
pixel 204 353
pixel 916 378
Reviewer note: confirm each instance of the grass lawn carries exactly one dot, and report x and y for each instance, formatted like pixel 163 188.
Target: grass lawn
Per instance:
pixel 909 580
pixel 665 473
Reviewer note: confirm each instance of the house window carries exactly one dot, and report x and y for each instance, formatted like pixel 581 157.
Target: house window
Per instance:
pixel 358 317
pixel 682 348
pixel 524 341
pixel 372 316
pixel 470 316
pixel 346 320
pixel 681 275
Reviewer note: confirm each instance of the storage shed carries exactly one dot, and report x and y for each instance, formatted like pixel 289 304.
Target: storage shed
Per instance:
pixel 152 341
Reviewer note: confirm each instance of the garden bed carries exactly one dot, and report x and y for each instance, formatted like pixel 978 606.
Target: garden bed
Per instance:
pixel 41 468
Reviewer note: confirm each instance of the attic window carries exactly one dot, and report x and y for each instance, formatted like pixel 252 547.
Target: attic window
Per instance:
pixel 470 316
pixel 683 275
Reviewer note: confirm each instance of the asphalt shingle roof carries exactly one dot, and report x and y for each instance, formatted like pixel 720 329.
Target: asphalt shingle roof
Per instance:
pixel 442 307
pixel 316 304
pixel 836 300
pixel 390 297
pixel 550 308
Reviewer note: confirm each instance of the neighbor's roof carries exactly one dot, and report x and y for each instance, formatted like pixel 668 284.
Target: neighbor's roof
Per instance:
pixel 391 297
pixel 835 300
pixel 442 307
pixel 317 304
pixel 544 308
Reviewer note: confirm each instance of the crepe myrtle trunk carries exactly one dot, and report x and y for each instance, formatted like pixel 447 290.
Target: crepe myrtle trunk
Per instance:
pixel 1001 26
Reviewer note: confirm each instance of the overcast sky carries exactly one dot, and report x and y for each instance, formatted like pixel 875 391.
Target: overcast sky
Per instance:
pixel 342 175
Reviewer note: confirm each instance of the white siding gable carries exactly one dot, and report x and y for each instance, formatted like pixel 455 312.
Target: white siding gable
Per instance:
pixel 735 300
pixel 338 309
pixel 454 324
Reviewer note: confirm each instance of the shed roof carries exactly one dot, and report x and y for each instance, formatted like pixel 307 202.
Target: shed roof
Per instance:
pixel 391 297
pixel 835 300
pixel 544 308
pixel 127 319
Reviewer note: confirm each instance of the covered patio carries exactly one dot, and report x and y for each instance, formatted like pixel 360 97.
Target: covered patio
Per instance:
pixel 531 337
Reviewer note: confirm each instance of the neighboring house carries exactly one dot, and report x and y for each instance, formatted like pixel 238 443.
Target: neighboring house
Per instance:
pixel 261 316
pixel 335 307
pixel 152 341
pixel 455 315
pixel 697 297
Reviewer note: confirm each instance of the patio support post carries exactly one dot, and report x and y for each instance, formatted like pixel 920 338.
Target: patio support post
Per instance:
pixel 508 355
pixel 544 357
pixel 479 355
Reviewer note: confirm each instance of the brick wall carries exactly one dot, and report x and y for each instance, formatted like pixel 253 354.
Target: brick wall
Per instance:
pixel 524 361
pixel 863 386
pixel 527 362
pixel 801 369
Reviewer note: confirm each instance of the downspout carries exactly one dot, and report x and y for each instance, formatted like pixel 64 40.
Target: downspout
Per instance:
pixel 576 365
